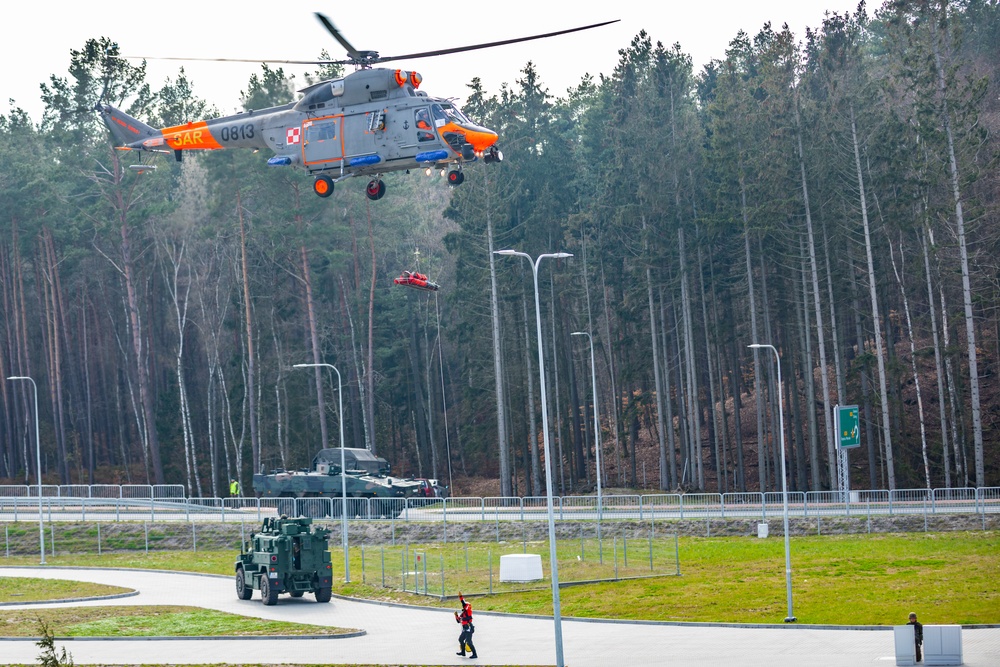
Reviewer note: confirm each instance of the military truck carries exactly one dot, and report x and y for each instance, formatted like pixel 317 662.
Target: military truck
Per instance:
pixel 286 556
pixel 367 477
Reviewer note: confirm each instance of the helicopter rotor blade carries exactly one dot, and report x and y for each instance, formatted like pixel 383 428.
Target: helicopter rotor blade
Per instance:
pixel 237 60
pixel 473 47
pixel 332 29
pixel 367 58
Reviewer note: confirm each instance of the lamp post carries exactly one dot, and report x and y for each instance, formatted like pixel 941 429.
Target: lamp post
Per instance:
pixel 790 618
pixel 553 564
pixel 38 464
pixel 597 431
pixel 343 478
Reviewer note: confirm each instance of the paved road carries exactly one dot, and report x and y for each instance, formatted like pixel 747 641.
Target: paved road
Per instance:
pixel 407 635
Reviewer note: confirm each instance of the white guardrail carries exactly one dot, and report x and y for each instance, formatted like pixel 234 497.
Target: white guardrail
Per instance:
pixel 105 502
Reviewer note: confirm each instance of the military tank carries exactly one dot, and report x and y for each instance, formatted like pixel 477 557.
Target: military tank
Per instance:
pixel 319 488
pixel 286 556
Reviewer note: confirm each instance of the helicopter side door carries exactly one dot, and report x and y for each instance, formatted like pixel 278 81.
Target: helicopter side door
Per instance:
pixel 322 142
pixel 408 132
pixel 360 130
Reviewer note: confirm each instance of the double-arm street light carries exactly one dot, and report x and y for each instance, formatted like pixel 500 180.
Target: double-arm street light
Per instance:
pixel 553 564
pixel 784 483
pixel 38 463
pixel 597 430
pixel 343 478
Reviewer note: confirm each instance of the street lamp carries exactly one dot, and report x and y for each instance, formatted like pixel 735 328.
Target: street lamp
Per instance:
pixel 553 564
pixel 38 463
pixel 784 484
pixel 343 478
pixel 597 431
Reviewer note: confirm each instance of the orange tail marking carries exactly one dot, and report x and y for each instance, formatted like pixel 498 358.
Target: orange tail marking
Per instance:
pixel 190 136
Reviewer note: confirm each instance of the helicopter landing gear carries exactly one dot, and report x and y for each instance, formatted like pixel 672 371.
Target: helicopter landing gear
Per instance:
pixel 323 186
pixel 375 189
pixel 455 177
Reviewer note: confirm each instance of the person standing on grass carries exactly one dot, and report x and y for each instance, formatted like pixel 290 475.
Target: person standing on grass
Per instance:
pixel 918 633
pixel 465 618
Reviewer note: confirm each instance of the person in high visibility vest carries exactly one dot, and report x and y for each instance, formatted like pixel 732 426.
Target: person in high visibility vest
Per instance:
pixel 234 488
pixel 465 618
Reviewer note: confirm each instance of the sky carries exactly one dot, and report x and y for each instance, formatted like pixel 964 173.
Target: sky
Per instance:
pixel 38 37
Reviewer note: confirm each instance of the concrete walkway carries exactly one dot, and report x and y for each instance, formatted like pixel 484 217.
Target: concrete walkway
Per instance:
pixel 406 635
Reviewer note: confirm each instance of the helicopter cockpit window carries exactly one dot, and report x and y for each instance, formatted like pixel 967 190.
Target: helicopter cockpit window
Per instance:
pixel 455 114
pixel 440 118
pixel 422 119
pixel 321 131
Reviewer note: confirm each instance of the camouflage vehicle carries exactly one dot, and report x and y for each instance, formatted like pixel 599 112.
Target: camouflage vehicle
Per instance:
pixel 286 556
pixel 367 477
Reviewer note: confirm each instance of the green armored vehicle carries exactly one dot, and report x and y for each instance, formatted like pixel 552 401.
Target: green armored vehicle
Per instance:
pixel 286 556
pixel 367 477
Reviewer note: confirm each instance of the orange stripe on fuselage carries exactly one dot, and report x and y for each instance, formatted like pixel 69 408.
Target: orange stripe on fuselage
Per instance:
pixel 190 136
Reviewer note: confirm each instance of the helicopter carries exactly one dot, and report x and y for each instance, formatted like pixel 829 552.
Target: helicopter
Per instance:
pixel 370 122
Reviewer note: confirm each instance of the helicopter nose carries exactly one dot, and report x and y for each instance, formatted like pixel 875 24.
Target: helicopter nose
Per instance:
pixel 481 138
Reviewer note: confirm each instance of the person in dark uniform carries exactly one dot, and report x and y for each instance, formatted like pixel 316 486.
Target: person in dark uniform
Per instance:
pixel 918 633
pixel 465 618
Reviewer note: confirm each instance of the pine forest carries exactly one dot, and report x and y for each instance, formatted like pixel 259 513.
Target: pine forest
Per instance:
pixel 833 194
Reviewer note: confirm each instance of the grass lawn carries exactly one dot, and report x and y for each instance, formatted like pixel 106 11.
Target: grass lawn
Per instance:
pixel 15 590
pixel 139 621
pixel 863 579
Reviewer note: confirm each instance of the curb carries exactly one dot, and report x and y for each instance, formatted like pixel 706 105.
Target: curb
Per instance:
pixel 61 600
pixel 348 635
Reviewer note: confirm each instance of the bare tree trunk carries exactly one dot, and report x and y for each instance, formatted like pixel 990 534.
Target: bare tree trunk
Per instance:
pixel 938 365
pixel 664 475
pixel 616 403
pixel 815 464
pixel 314 340
pixel 694 410
pixel 280 414
pixel 47 294
pixel 535 479
pixel 841 392
pixel 961 467
pixel 970 331
pixel 251 393
pixel 913 359
pixel 814 273
pixel 505 467
pixel 667 403
pixel 876 321
pixel 557 412
pixel 179 294
pixel 757 383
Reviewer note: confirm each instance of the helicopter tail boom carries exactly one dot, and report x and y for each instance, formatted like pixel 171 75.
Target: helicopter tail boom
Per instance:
pixel 129 131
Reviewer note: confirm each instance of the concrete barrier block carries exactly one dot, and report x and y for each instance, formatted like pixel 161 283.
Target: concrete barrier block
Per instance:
pixel 906 648
pixel 942 644
pixel 520 567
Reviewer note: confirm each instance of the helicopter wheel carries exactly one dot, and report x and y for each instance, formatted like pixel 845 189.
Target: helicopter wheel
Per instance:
pixel 375 189
pixel 455 177
pixel 323 186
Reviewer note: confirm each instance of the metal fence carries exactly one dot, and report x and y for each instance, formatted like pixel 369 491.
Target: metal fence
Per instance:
pixel 478 568
pixel 167 502
pixel 156 491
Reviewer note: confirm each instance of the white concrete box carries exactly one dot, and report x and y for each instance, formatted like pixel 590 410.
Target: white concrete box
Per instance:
pixel 520 567
pixel 942 644
pixel 906 648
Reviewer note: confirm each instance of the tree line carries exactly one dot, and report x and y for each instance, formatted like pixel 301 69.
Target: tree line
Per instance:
pixel 832 194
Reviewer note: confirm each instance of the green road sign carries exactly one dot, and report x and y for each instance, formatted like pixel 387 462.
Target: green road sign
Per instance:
pixel 849 436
